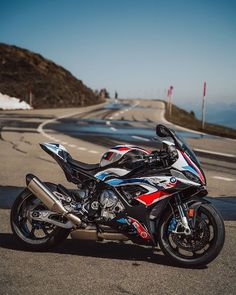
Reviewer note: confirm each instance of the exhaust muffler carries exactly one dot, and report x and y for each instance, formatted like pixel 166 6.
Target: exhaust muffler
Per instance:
pixel 40 190
pixel 94 235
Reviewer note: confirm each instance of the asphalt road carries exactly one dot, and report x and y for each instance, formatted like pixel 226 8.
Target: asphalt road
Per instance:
pixel 82 267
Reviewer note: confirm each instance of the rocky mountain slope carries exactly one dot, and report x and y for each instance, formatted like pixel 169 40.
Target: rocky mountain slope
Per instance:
pixel 22 72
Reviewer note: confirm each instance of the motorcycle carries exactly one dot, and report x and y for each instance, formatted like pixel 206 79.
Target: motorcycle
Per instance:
pixel 149 197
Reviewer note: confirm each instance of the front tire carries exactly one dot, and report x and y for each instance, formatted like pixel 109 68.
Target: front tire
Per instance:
pixel 200 249
pixel 25 230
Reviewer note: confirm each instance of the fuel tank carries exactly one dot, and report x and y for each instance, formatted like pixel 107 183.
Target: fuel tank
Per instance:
pixel 122 152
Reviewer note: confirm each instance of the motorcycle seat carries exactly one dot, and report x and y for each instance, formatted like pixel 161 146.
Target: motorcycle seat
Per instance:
pixel 83 166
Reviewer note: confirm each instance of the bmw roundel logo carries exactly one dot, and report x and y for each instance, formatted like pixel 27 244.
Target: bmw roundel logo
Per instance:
pixel 173 180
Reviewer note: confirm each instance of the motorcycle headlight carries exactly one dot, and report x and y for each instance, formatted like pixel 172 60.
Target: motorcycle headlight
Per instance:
pixel 192 176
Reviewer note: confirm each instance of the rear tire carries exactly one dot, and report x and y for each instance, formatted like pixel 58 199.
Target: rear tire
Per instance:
pixel 213 246
pixel 21 229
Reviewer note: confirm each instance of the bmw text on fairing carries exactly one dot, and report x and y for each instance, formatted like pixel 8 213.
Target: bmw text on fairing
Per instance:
pixel 148 197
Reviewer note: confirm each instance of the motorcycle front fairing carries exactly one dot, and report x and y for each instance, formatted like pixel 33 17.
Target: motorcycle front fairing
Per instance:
pixel 187 160
pixel 185 176
pixel 139 218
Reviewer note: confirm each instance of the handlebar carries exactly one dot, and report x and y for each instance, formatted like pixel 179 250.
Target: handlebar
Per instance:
pixel 156 158
pixel 165 158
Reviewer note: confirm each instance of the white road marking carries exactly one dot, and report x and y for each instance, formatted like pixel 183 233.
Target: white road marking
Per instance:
pixel 72 145
pixel 215 153
pixel 140 138
pixel 113 128
pixel 122 112
pixel 41 126
pixel 94 152
pixel 41 131
pixel 108 122
pixel 53 138
pixel 223 178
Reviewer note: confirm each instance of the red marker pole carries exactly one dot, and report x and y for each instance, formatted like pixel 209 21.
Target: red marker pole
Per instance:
pixel 168 101
pixel 30 98
pixel 30 95
pixel 203 105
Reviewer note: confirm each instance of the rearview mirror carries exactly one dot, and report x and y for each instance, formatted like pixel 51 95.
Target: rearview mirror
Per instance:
pixel 162 131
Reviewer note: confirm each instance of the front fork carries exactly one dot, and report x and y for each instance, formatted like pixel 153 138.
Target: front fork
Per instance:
pixel 182 227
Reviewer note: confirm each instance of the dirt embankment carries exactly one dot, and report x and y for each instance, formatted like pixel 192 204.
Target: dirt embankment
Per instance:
pixel 188 120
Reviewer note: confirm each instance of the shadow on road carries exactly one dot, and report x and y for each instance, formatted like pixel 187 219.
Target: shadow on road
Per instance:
pixel 8 195
pixel 226 206
pixel 107 250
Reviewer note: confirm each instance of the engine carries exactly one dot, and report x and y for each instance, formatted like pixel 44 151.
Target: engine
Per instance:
pixel 110 205
pixel 106 207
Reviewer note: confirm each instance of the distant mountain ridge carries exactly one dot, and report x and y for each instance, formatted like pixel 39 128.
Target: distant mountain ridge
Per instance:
pixel 22 71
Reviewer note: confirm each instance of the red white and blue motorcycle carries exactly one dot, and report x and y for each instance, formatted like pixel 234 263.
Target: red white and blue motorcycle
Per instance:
pixel 148 197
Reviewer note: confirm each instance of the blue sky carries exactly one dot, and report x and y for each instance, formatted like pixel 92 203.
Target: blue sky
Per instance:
pixel 138 48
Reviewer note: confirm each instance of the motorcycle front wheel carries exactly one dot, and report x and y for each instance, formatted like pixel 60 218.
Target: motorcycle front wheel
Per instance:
pixel 30 234
pixel 199 248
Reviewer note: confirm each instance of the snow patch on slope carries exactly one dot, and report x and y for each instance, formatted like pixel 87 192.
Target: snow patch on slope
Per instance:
pixel 12 103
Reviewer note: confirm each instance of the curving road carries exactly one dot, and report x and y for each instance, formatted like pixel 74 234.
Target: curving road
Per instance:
pixel 134 122
pixel 105 268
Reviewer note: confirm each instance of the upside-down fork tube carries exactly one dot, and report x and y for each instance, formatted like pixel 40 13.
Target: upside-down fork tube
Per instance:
pixel 40 190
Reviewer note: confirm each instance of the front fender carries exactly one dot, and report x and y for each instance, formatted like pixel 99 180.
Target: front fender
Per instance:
pixel 195 204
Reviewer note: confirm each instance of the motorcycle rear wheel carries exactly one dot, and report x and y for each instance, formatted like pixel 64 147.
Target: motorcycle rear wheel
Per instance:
pixel 34 236
pixel 198 250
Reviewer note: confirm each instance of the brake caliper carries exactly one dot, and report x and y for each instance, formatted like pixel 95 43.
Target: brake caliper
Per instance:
pixel 172 225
